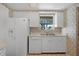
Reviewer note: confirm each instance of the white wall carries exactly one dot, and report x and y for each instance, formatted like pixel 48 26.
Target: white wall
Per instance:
pixel 3 22
pixel 4 14
pixel 4 32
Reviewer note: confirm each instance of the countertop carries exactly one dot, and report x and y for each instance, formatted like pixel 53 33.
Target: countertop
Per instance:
pixel 48 35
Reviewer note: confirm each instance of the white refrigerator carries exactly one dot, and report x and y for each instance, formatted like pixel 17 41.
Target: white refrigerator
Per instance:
pixel 18 29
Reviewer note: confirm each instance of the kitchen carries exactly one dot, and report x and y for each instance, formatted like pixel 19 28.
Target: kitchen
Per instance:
pixel 47 27
pixel 50 39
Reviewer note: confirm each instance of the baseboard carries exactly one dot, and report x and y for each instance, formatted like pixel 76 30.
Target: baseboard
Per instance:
pixel 53 52
pixel 34 53
pixel 47 53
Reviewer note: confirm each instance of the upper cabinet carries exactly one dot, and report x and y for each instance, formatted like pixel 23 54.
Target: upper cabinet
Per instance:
pixel 59 19
pixel 34 19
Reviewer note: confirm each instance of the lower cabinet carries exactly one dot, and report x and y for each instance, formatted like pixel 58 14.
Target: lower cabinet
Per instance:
pixel 35 45
pixel 56 44
pixel 47 44
pixel 44 44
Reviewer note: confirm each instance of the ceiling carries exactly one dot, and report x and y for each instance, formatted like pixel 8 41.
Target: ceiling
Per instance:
pixel 38 6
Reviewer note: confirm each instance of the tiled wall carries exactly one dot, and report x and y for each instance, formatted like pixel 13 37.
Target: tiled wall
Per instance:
pixel 36 31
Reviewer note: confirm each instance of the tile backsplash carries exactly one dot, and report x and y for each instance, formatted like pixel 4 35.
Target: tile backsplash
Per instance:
pixel 36 31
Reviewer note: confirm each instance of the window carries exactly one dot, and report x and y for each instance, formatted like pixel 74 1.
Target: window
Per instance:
pixel 46 22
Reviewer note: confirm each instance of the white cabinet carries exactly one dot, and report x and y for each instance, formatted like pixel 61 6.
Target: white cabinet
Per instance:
pixel 44 44
pixel 60 19
pixel 34 19
pixel 33 16
pixel 54 44
pixel 47 44
pixel 35 45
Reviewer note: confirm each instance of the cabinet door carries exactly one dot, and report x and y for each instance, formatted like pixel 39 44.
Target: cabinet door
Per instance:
pixel 57 44
pixel 60 19
pixel 34 19
pixel 44 44
pixel 34 45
